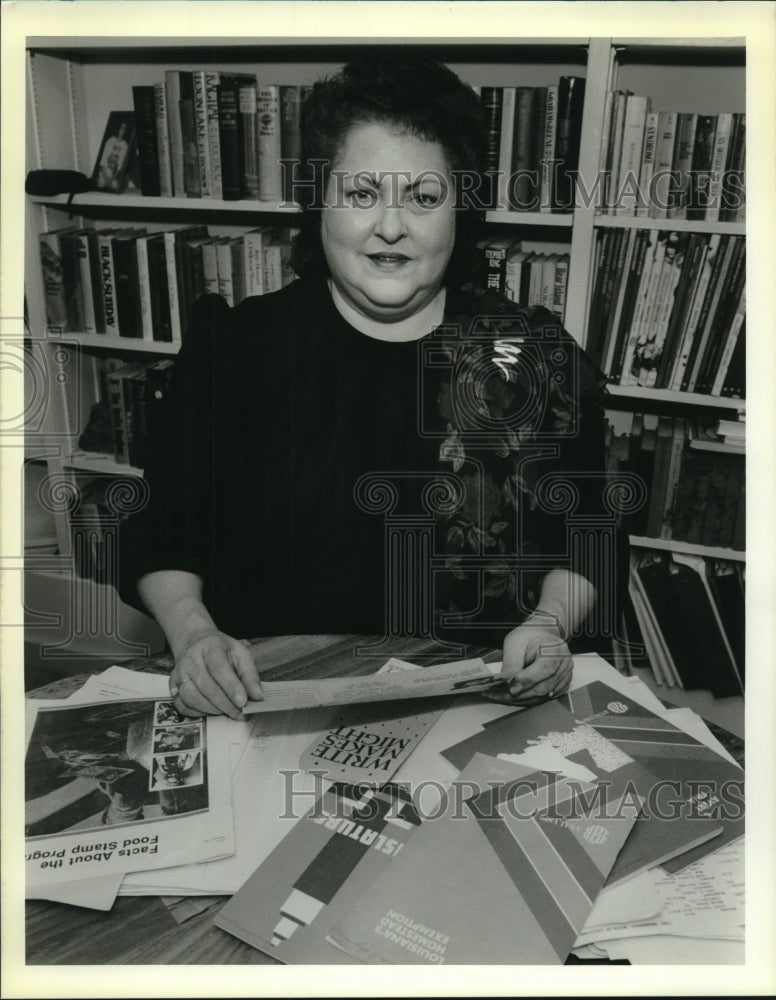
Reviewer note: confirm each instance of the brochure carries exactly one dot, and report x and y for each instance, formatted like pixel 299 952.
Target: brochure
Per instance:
pixel 123 785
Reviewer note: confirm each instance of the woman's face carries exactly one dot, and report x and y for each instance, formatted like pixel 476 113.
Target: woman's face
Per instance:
pixel 389 225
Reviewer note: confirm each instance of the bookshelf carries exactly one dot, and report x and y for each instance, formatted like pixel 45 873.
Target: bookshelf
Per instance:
pixel 74 83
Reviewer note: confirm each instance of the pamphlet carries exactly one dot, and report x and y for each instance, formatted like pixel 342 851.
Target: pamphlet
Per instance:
pixel 507 875
pixel 323 868
pixel 462 677
pixel 118 786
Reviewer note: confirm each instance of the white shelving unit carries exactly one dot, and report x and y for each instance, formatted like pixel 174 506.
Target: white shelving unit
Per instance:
pixel 73 84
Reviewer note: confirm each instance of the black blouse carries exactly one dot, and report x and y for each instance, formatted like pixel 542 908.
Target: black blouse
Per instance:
pixel 278 409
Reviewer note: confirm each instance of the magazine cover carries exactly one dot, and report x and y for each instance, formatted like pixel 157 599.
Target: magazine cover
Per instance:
pixel 510 874
pixel 320 871
pixel 119 786
pixel 710 788
pixel 670 825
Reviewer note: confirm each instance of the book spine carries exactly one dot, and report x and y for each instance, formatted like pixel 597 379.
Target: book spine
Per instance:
pixel 560 285
pixel 127 285
pixel 614 154
pixel 173 98
pixel 647 168
pixel 613 326
pixel 708 309
pixel 160 299
pixel 224 266
pixel 549 138
pixel 733 188
pixel 271 263
pixel 727 304
pixel 710 252
pixel 730 344
pixel 84 250
pixel 508 104
pixel 492 101
pixel 163 140
pixel 192 184
pixel 734 385
pixel 678 444
pixel 622 341
pixel 213 134
pixel 700 175
pixel 71 276
pixel 176 327
pixel 604 153
pixel 636 109
pixel 520 188
pixel 645 284
pixel 113 380
pixel 203 134
pixel 645 341
pixel 719 158
pixel 675 256
pixel 660 200
pixel 290 136
pixel 237 250
pixel 270 188
pixel 688 263
pixel 229 139
pixel 147 147
pixel 250 132
pixel 209 268
pixel 512 274
pixel 96 281
pixel 108 283
pixel 594 339
pixel 571 96
pixel 144 289
pixel 254 268
pixel 657 498
pixel 535 287
pixel 683 152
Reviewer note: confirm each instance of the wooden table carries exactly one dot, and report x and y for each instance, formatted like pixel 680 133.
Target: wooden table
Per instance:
pixel 146 930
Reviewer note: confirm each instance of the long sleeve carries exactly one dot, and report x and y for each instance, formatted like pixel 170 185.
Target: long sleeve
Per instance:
pixel 173 531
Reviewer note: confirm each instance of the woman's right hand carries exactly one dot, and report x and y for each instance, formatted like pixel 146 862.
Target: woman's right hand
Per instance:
pixel 214 674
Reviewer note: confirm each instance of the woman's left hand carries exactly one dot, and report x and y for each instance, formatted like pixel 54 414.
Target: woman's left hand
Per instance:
pixel 536 663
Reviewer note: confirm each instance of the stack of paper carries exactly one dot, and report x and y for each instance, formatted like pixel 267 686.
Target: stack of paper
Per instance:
pixel 116 781
pixel 422 831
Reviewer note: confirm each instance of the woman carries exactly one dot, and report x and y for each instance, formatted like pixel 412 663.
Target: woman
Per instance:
pixel 261 519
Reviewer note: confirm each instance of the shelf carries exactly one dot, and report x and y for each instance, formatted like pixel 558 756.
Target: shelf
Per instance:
pixel 675 396
pixel 135 344
pixel 565 220
pixel 681 43
pixel 94 199
pixel 675 225
pixel 689 548
pixel 65 45
pixel 90 461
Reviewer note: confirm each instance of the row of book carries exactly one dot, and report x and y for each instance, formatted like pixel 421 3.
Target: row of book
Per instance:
pixel 125 417
pixel 533 143
pixel 671 165
pixel 695 483
pixel 131 283
pixel 524 276
pixel 686 615
pixel 668 310
pixel 209 134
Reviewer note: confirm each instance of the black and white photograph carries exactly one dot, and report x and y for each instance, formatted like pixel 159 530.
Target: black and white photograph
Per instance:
pixel 390 337
pixel 92 766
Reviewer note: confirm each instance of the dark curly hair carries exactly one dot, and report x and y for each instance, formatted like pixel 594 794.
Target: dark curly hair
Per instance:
pixel 406 89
